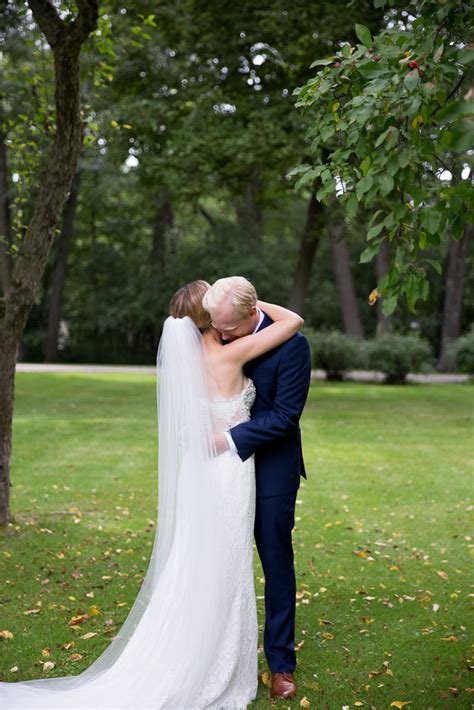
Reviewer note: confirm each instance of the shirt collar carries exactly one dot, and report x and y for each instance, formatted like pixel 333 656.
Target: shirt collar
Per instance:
pixel 260 320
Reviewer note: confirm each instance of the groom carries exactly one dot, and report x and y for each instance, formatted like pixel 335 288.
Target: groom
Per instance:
pixel 282 378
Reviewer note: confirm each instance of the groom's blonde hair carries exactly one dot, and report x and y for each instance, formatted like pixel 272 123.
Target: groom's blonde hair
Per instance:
pixel 236 290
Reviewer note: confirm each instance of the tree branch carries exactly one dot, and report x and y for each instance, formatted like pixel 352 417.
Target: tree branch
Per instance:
pixel 86 20
pixel 48 21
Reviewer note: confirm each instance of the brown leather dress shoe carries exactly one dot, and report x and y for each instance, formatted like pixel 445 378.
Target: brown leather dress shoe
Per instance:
pixel 283 686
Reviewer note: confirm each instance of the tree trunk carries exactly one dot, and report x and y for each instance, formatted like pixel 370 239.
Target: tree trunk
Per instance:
pixel 5 231
pixel 344 281
pixel 384 323
pixel 7 385
pixel 65 39
pixel 452 308
pixel 249 213
pixel 59 276
pixel 164 222
pixel 307 251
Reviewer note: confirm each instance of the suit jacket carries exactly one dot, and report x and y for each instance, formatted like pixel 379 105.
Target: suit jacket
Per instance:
pixel 282 377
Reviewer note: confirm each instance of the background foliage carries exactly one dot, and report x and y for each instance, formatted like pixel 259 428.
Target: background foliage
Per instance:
pixel 191 131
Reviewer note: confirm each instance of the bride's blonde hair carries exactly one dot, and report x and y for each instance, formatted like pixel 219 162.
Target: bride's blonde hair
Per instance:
pixel 188 302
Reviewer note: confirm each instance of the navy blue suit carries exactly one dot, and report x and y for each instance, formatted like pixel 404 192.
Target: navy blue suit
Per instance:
pixel 282 377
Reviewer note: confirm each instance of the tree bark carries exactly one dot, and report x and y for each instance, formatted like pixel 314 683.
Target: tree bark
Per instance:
pixel 249 212
pixel 345 282
pixel 307 251
pixel 59 276
pixel 454 286
pixel 164 222
pixel 5 230
pixel 65 40
pixel 384 323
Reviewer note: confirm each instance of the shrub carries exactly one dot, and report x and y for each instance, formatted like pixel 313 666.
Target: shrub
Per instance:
pixel 462 351
pixel 397 355
pixel 333 352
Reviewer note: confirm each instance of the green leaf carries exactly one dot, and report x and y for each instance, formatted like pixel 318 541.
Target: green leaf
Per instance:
pixel 298 169
pixel 462 137
pixel 364 185
pixel 389 305
pixel 374 231
pixel 327 131
pixel 458 228
pixel 380 3
pixel 435 264
pixel 430 220
pixel 438 54
pixel 411 80
pixel 352 205
pixel 404 158
pixel 374 217
pixel 363 33
pixel 309 176
pixel 455 109
pixel 466 55
pixel 369 253
pixel 389 137
pixel 321 62
pixel 385 183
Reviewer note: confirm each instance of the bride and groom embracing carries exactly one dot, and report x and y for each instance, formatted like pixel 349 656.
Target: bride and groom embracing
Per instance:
pixel 233 378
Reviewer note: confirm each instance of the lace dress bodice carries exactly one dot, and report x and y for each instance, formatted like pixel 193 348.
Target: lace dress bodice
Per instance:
pixel 229 411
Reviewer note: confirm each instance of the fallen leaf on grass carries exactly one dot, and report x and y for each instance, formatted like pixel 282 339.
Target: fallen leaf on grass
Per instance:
pixel 46 652
pixel 400 704
pixel 14 669
pixel 304 702
pixel 48 665
pixel 31 611
pixel 327 635
pixel 450 638
pixel 266 679
pixel 442 574
pixel 89 635
pixel 6 634
pixel 74 620
pixel 75 656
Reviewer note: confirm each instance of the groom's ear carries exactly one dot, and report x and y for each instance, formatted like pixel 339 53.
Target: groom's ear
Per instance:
pixel 253 311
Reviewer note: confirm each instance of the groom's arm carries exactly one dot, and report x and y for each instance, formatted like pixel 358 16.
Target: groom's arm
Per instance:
pixel 293 381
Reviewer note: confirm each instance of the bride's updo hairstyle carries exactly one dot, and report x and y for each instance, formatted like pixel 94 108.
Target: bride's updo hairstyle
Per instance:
pixel 188 302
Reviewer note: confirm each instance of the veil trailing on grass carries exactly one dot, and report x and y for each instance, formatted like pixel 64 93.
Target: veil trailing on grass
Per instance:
pixel 163 652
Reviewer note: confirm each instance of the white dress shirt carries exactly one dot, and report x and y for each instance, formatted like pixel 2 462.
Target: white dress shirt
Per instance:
pixel 227 433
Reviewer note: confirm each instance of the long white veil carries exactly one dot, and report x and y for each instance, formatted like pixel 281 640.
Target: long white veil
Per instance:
pixel 154 654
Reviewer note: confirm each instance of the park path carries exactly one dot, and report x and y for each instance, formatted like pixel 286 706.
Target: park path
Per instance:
pixel 355 375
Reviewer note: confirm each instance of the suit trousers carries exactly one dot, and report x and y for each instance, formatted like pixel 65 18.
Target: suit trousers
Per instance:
pixel 274 521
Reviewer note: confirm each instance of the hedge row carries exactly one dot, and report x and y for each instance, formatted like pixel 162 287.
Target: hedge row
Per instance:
pixel 393 354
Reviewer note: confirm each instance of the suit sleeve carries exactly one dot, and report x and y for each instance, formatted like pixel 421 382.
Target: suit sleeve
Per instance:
pixel 293 379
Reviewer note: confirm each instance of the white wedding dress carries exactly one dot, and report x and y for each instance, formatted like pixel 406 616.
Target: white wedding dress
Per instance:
pixel 190 640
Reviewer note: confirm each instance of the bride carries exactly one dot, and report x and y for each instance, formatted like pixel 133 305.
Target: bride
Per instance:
pixel 190 639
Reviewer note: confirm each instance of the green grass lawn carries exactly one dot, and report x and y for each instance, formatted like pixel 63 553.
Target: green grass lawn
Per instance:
pixel 382 538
